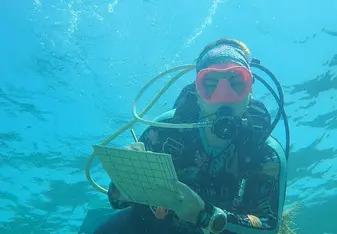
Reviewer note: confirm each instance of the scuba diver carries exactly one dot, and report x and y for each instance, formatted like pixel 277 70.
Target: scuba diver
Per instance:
pixel 232 175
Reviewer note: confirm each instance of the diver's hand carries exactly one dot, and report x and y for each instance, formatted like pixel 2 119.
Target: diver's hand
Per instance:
pixel 138 146
pixel 190 206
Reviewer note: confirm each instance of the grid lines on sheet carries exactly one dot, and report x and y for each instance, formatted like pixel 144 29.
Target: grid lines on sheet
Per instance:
pixel 142 176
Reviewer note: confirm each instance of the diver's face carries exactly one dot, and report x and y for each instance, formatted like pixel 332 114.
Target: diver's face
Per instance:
pixel 236 85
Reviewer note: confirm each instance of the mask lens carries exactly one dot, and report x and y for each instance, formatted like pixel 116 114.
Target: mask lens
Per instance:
pixel 235 80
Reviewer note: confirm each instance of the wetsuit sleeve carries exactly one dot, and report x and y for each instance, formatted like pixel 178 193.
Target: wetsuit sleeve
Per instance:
pixel 261 201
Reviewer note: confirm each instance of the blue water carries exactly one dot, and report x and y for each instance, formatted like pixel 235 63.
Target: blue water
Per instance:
pixel 69 71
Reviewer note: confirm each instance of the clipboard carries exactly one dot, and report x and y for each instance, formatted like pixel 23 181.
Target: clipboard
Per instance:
pixel 142 177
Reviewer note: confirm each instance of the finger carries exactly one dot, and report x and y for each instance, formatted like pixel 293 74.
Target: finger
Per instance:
pixel 188 193
pixel 128 147
pixel 138 146
pixel 183 188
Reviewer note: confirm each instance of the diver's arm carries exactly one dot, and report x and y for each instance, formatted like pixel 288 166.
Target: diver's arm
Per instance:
pixel 262 213
pixel 262 198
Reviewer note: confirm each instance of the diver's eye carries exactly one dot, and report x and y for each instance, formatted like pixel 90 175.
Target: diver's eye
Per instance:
pixel 211 82
pixel 210 86
pixel 237 86
pixel 235 83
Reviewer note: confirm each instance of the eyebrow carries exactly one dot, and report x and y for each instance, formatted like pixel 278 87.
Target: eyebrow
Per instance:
pixel 230 78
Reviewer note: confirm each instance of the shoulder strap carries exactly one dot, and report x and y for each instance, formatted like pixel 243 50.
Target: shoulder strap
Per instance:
pixel 272 142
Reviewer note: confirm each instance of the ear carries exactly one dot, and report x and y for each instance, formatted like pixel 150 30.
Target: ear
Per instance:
pixel 249 98
pixel 250 95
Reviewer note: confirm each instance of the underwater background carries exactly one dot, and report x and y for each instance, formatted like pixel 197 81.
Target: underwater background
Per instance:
pixel 70 70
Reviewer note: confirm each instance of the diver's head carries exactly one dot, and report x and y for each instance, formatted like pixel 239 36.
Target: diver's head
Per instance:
pixel 223 77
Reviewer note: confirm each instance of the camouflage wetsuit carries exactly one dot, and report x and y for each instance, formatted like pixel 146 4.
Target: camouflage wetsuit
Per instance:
pixel 242 179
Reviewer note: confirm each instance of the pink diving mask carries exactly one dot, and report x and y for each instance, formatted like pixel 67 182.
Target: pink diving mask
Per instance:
pixel 224 92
